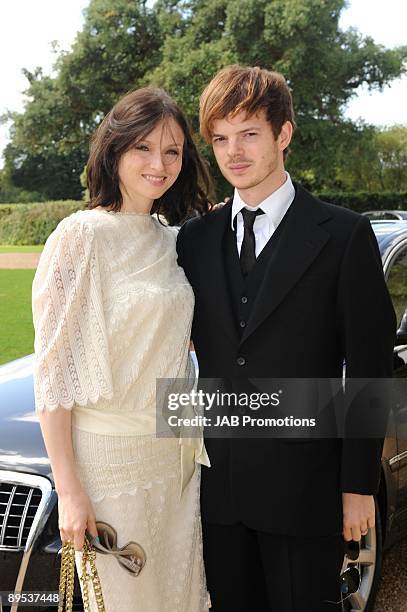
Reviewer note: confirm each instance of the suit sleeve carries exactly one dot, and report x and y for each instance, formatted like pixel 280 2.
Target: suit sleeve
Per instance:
pixel 367 328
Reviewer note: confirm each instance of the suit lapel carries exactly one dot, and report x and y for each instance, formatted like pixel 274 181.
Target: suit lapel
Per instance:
pixel 216 225
pixel 300 243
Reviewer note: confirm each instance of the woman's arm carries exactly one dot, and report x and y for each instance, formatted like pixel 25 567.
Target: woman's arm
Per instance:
pixel 74 506
pixel 71 358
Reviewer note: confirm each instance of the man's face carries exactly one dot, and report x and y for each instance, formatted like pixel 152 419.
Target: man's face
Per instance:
pixel 248 155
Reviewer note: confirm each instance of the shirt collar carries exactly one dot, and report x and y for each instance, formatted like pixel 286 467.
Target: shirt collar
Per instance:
pixel 274 206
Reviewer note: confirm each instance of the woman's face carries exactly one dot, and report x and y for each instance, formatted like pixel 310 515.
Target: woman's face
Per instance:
pixel 152 165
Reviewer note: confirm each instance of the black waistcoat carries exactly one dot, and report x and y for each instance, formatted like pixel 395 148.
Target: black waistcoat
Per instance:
pixel 243 291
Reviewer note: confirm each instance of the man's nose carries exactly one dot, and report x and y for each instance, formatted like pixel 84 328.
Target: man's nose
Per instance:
pixel 234 147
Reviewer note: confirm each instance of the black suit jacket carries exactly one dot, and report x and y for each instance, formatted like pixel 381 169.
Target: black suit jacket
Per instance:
pixel 323 300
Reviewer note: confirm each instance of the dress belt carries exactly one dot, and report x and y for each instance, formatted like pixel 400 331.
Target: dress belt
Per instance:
pixel 193 449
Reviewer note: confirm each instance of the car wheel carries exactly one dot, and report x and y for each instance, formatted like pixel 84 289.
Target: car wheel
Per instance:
pixel 370 561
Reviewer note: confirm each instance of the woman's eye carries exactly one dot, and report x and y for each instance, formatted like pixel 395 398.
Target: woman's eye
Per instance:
pixel 173 152
pixel 218 139
pixel 141 147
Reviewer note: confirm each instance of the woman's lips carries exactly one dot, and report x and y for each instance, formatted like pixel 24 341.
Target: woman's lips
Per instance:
pixel 155 180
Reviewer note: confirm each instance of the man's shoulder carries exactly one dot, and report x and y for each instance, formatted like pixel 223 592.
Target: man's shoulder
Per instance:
pixel 201 223
pixel 335 214
pixel 341 212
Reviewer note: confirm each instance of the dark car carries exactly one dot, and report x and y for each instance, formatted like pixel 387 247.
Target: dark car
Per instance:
pixel 386 215
pixel 29 537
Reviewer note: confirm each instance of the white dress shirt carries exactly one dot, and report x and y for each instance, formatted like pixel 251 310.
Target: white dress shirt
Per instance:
pixel 274 207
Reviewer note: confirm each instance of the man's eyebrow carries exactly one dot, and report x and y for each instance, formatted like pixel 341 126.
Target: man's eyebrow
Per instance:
pixel 249 129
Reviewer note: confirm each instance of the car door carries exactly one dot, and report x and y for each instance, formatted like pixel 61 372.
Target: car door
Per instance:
pixel 396 276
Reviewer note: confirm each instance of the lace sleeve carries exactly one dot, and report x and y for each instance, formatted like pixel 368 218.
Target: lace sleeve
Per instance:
pixel 71 349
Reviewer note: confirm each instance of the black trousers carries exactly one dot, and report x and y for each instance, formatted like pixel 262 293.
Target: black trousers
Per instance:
pixel 253 571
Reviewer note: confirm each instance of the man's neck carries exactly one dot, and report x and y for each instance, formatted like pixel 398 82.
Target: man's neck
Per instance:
pixel 257 194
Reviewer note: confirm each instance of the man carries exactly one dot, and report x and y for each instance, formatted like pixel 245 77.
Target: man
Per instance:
pixel 285 286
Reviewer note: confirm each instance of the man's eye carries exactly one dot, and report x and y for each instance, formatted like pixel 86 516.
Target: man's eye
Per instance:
pixel 251 133
pixel 218 139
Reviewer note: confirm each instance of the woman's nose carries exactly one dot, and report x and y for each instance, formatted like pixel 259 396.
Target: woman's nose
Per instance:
pixel 157 162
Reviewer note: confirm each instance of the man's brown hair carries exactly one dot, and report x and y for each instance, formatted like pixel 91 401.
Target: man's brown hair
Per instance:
pixel 249 89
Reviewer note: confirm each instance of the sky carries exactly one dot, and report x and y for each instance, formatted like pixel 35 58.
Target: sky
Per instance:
pixel 27 29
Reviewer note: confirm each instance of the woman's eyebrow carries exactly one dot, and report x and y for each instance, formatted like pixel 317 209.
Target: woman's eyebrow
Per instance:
pixel 170 145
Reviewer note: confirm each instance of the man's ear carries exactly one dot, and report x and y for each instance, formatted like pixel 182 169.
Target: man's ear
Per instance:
pixel 284 138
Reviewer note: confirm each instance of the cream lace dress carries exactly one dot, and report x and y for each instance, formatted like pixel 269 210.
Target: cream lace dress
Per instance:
pixel 112 313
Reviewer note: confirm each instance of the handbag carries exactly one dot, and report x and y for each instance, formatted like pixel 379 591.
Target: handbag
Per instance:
pixel 131 557
pixel 67 577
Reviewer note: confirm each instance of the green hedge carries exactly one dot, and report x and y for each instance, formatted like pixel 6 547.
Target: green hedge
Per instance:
pixel 32 223
pixel 361 201
pixel 6 209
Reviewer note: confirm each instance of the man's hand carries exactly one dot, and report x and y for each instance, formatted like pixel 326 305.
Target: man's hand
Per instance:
pixel 358 515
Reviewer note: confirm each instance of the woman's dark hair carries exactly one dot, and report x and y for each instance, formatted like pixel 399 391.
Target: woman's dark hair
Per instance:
pixel 130 121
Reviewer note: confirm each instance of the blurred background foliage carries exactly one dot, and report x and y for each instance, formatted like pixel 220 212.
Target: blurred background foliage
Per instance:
pixel 31 224
pixel 180 45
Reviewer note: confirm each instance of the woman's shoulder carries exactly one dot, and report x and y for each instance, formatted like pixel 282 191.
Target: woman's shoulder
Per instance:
pixel 170 230
pixel 85 223
pixel 77 228
pixel 74 220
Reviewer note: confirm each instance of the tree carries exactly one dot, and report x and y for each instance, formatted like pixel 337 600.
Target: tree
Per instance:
pixel 9 193
pixel 180 45
pixel 55 177
pixel 300 38
pixel 392 157
pixel 376 160
pixel 120 41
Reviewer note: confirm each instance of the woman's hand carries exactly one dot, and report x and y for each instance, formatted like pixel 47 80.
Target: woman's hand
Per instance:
pixel 74 506
pixel 75 516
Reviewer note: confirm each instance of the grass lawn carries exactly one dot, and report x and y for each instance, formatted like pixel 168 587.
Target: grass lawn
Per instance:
pixel 35 248
pixel 17 332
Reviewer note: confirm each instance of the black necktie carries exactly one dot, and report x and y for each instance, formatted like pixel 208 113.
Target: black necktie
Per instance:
pixel 248 250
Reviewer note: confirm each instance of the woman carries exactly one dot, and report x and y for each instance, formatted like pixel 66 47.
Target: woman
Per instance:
pixel 112 313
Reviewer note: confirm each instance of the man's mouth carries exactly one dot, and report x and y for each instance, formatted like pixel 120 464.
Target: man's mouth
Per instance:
pixel 238 167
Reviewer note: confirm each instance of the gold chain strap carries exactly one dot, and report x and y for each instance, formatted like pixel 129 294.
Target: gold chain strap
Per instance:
pixel 67 578
pixel 89 554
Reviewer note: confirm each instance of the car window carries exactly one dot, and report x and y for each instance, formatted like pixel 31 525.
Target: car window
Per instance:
pixel 382 216
pixel 397 282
